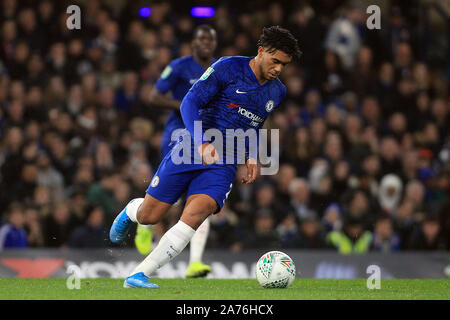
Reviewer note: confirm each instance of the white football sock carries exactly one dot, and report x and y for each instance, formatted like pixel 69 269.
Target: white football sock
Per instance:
pixel 170 245
pixel 133 207
pixel 198 242
pixel 147 226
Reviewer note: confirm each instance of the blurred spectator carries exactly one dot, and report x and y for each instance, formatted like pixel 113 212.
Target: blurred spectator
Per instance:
pixel 122 194
pixel 12 233
pixel 440 112
pixel 390 193
pixel 410 165
pixel 331 78
pixel 322 194
pixel 47 176
pixel 405 222
pixel 385 86
pixel 390 153
pixel 264 235
pixel 362 78
pixel 42 200
pixel 313 107
pixel 283 179
pixel 384 237
pixel 428 236
pixel 311 236
pixel 127 94
pixel 300 155
pixel 288 232
pixel 29 29
pixel 415 193
pixel 33 228
pixel 129 55
pixel 102 194
pixel 340 181
pixel 78 204
pixel 22 189
pixel 141 174
pixel 58 226
pixel 93 234
pixel 343 35
pixel 265 201
pixel 359 208
pixel 225 230
pixel 62 160
pixel 332 218
pixel 403 59
pixel 10 154
pixel 241 194
pixel 300 197
pixel 353 239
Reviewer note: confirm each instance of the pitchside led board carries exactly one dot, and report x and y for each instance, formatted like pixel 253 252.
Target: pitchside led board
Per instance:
pixel 115 263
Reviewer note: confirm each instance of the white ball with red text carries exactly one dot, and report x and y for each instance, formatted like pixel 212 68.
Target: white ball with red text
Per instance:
pixel 275 269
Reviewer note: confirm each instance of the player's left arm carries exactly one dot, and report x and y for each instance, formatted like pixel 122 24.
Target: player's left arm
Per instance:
pixel 163 100
pixel 252 171
pixel 252 161
pixel 159 96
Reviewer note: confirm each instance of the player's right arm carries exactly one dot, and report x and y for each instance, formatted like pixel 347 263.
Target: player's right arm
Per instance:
pixel 159 95
pixel 200 94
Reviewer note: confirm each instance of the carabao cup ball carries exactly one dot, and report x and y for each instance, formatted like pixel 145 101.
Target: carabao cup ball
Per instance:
pixel 275 269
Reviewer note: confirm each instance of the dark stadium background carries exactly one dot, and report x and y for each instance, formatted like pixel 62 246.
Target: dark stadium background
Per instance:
pixel 78 139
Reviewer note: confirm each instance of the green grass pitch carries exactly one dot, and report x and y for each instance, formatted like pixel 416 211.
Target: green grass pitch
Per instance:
pixel 221 289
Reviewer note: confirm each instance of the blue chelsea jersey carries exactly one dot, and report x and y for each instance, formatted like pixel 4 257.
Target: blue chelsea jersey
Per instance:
pixel 178 77
pixel 229 96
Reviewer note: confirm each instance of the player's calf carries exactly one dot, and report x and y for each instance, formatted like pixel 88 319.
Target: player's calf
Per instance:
pixel 198 207
pixel 151 211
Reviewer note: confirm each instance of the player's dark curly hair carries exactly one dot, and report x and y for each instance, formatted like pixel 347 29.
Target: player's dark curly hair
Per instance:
pixel 277 38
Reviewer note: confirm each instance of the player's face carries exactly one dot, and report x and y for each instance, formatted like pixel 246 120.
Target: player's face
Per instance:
pixel 204 43
pixel 272 62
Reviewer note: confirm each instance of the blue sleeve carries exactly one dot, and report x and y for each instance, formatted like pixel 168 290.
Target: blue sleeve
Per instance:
pixel 168 78
pixel 202 92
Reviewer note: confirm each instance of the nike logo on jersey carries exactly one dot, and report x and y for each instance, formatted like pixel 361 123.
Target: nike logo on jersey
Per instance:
pixel 237 91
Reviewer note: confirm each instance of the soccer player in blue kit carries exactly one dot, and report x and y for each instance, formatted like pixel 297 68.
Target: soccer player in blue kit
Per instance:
pixel 234 93
pixel 177 78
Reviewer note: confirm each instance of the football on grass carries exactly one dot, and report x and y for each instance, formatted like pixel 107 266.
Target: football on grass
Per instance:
pixel 275 269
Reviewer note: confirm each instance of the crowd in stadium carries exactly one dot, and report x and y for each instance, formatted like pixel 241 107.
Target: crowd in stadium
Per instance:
pixel 364 130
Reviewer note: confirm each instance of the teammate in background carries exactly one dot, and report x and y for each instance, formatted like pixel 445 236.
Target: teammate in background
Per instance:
pixel 177 78
pixel 234 93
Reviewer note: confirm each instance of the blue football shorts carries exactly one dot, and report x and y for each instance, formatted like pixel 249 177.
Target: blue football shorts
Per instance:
pixel 173 180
